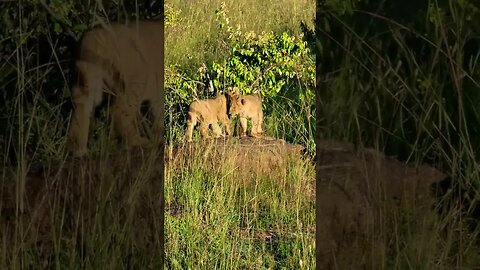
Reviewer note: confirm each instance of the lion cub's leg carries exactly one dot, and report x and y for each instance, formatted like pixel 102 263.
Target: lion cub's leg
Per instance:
pixel 80 123
pixel 217 131
pixel 226 122
pixel 257 125
pixel 204 129
pixel 86 95
pixel 191 122
pixel 125 113
pixel 243 124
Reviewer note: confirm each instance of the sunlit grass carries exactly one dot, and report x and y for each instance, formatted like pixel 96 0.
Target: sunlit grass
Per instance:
pixel 224 217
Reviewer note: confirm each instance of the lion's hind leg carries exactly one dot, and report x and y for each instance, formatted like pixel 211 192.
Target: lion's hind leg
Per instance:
pixel 217 131
pixel 226 122
pixel 260 123
pixel 125 118
pixel 204 129
pixel 80 123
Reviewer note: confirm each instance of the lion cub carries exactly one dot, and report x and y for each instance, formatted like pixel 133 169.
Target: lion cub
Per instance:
pixel 125 61
pixel 247 106
pixel 208 112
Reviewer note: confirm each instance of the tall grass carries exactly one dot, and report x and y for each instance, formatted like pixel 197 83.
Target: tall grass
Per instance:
pixel 398 90
pixel 83 215
pixel 194 39
pixel 220 216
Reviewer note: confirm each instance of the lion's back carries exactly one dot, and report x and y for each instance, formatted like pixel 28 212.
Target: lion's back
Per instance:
pixel 209 108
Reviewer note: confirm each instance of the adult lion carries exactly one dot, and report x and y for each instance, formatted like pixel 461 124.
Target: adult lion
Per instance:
pixel 126 61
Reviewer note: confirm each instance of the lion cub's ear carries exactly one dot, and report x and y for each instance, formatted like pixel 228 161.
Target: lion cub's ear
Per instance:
pixel 243 101
pixel 235 91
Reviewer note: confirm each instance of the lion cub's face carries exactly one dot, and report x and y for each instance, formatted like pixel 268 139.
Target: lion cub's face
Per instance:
pixel 247 106
pixel 243 104
pixel 237 105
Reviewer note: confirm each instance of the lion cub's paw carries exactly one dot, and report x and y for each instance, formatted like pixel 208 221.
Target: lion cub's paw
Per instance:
pixel 257 135
pixel 75 150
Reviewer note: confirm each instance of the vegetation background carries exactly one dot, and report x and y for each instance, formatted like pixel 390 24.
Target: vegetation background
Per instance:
pixel 403 77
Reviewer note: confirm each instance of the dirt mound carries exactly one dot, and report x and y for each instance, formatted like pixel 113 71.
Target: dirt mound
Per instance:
pixel 247 154
pixel 355 190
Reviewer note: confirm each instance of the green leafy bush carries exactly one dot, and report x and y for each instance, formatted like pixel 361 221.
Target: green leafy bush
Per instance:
pixel 279 67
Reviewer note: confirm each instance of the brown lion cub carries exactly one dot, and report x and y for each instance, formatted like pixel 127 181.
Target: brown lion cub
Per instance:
pixel 127 62
pixel 208 112
pixel 247 106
